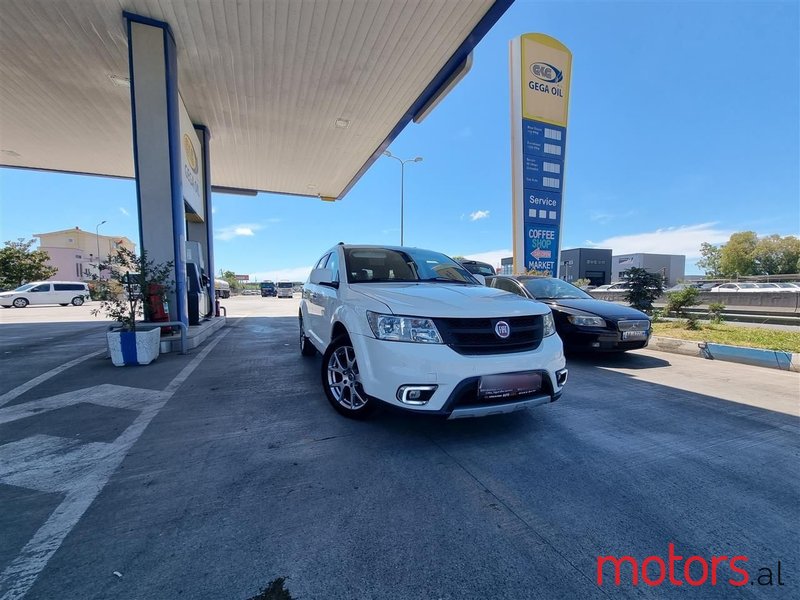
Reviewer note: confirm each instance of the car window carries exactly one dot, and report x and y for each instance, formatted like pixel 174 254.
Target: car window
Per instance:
pixel 406 265
pixel 508 286
pixel 44 287
pixel 24 288
pixel 479 269
pixel 333 265
pixel 550 287
pixel 321 263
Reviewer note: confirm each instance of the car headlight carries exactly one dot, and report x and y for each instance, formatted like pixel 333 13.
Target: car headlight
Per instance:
pixel 403 329
pixel 549 324
pixel 585 321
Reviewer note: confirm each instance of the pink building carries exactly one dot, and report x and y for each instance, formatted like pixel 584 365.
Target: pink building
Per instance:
pixel 74 251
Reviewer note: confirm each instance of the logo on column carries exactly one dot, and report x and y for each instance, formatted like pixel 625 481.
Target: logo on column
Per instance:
pixel 191 155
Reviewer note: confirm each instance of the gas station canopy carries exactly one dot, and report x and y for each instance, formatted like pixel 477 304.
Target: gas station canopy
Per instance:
pixel 300 96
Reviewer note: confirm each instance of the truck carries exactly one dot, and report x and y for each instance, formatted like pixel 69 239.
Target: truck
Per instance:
pixel 268 289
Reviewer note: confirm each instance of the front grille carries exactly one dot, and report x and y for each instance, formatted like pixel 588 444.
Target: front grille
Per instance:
pixel 477 336
pixel 467 393
pixel 640 325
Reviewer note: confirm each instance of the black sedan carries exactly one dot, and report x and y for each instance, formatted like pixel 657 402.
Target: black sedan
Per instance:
pixel 582 322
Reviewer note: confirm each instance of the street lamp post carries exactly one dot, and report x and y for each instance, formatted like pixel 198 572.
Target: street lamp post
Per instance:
pixel 97 239
pixel 402 183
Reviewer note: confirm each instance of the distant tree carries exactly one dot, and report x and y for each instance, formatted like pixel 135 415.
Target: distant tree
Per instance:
pixel 230 277
pixel 645 287
pixel 458 258
pixel 710 261
pixel 737 257
pixel 775 255
pixel 19 264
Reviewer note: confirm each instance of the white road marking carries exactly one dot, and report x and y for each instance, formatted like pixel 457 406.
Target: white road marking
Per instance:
pixel 20 575
pixel 21 389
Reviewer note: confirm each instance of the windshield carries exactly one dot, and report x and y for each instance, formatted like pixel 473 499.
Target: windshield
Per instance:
pixel 550 287
pixel 284 284
pixel 480 269
pixel 24 288
pixel 403 265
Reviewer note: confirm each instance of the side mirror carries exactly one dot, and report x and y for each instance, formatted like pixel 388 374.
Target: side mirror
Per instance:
pixel 481 279
pixel 321 276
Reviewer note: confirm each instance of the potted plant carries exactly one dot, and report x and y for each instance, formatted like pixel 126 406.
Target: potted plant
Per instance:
pixel 140 285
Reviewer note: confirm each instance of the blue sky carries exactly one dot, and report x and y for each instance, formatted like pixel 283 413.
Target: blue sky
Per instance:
pixel 684 127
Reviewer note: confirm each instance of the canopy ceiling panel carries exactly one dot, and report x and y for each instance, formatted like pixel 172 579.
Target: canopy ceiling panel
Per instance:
pixel 271 79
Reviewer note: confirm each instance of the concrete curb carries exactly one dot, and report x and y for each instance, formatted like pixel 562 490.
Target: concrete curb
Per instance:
pixel 773 359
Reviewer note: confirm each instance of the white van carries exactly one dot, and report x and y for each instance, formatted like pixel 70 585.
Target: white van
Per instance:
pixel 284 289
pixel 46 292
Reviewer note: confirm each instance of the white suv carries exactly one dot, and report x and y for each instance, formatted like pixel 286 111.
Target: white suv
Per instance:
pixel 414 329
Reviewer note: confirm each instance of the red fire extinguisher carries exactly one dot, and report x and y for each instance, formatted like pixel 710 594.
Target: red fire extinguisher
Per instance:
pixel 157 306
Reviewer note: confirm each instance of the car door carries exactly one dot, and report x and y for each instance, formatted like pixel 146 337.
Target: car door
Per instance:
pixel 314 300
pixel 328 297
pixel 40 294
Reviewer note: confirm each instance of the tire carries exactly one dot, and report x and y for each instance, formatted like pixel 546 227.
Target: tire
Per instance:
pixel 306 347
pixel 340 380
pixel 77 301
pixel 20 303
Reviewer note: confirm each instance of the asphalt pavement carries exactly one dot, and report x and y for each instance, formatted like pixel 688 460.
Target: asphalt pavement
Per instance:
pixel 211 474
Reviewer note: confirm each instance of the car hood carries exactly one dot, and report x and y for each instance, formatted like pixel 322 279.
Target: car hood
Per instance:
pixel 611 310
pixel 448 300
pixel 7 294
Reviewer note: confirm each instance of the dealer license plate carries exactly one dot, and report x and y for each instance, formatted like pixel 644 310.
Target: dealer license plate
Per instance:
pixel 509 385
pixel 634 335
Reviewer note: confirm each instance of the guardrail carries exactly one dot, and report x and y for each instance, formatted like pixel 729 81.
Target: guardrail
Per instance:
pixel 789 301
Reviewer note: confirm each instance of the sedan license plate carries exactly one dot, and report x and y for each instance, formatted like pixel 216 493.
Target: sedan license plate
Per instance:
pixel 634 335
pixel 509 385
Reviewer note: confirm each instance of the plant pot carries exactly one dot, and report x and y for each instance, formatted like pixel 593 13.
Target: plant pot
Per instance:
pixel 139 347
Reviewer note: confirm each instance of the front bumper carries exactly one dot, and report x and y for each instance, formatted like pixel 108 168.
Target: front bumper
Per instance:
pixel 386 366
pixel 602 340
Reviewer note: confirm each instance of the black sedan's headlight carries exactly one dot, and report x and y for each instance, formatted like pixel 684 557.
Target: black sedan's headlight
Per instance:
pixel 586 321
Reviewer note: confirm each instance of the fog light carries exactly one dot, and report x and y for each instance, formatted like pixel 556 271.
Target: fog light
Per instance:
pixel 415 394
pixel 561 376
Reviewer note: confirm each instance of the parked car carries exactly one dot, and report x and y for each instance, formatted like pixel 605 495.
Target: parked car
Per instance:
pixel 477 267
pixel 735 287
pixel 619 286
pixel 778 287
pixel 679 287
pixel 46 292
pixel 582 322
pixel 414 329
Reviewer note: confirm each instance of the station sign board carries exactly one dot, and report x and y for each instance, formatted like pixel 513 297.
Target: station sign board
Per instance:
pixel 541 71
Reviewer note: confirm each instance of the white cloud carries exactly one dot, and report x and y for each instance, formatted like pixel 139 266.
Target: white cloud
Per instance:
pixel 124 212
pixel 233 231
pixel 685 240
pixel 478 214
pixel 292 274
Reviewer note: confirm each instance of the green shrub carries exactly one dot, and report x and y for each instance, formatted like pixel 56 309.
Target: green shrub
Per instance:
pixel 715 312
pixel 678 302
